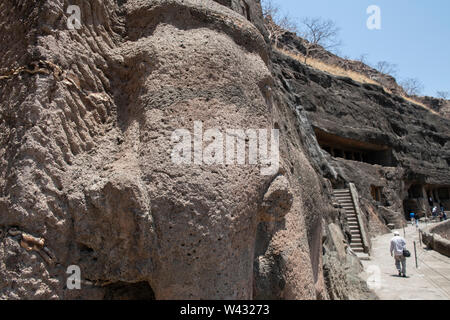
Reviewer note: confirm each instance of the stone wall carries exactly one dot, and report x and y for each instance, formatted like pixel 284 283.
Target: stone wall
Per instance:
pixel 437 237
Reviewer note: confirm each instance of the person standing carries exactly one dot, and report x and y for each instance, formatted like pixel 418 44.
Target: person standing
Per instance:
pixel 435 212
pixel 412 216
pixel 398 244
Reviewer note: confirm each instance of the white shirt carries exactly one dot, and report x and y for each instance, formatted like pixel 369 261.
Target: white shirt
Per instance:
pixel 397 245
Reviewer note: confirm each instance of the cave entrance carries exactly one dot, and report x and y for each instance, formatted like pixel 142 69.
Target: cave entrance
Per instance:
pixel 350 149
pixel 410 205
pixel 376 193
pixel 415 191
pixel 444 193
pixel 440 196
pixel 415 201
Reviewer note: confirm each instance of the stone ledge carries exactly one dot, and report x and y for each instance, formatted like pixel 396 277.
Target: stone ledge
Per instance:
pixel 434 241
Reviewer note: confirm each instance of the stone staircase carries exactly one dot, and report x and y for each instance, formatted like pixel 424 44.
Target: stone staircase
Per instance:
pixel 345 199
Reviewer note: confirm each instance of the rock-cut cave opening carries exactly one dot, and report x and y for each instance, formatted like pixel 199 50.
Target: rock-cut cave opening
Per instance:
pixel 350 149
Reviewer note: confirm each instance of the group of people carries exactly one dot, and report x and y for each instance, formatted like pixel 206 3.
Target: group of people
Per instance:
pixel 398 243
pixel 435 212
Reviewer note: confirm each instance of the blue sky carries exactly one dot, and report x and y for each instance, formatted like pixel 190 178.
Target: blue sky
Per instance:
pixel 414 35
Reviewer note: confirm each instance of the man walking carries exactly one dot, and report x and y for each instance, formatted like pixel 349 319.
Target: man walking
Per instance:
pixel 397 246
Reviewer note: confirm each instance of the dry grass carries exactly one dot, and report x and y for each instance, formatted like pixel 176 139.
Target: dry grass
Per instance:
pixel 420 104
pixel 337 71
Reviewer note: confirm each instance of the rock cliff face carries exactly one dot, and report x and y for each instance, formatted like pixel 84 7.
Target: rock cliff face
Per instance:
pixel 87 178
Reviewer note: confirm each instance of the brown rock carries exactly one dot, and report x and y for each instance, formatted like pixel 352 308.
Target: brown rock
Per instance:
pixel 85 157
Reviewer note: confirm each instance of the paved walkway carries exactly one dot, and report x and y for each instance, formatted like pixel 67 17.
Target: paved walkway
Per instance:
pixel 430 281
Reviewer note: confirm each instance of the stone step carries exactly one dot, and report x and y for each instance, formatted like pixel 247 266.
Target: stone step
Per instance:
pixel 341 190
pixel 363 256
pixel 342 194
pixel 346 205
pixel 358 250
pixel 344 197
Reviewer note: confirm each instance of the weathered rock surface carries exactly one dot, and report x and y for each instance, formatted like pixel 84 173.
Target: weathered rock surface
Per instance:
pixel 86 137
